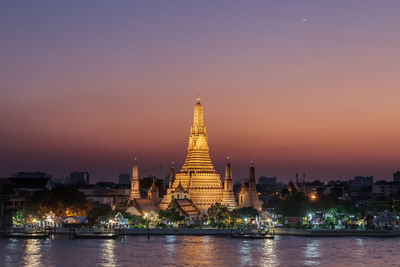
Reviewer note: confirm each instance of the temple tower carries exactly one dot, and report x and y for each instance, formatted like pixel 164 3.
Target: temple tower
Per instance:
pixel 243 197
pixel 228 195
pixel 153 193
pixel 198 176
pixel 135 189
pixel 168 196
pixel 253 195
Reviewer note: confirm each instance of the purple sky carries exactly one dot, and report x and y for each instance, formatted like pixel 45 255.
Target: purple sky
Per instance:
pixel 296 86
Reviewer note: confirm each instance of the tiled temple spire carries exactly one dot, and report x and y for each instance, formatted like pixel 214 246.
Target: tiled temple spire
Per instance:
pixel 228 196
pixel 135 189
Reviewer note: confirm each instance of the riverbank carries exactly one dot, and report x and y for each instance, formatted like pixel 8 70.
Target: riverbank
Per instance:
pixel 227 232
pixel 153 231
pixel 334 233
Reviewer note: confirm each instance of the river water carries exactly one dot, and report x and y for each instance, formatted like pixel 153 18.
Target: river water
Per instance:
pixel 201 251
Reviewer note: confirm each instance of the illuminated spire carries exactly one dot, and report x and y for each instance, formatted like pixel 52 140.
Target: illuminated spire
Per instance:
pixel 253 195
pixel 198 157
pixel 228 197
pixel 228 186
pixel 198 114
pixel 197 178
pixel 135 183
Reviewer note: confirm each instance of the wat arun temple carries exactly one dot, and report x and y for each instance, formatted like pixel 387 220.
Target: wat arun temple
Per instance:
pixel 197 184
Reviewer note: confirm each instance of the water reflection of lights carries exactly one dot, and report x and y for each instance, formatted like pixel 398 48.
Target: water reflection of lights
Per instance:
pixel 360 249
pixel 170 246
pixel 311 252
pixel 108 248
pixel 245 252
pixel 206 239
pixel 32 252
pixel 270 258
pixel 11 247
pixel 207 246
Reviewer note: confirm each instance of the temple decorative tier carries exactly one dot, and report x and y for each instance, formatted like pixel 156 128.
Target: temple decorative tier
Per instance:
pixel 197 176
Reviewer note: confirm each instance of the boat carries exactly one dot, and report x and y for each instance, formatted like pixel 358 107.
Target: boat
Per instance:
pixel 97 235
pixel 253 234
pixel 32 235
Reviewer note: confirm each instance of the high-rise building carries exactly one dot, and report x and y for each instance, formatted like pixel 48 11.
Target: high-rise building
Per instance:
pixel 362 182
pixel 32 175
pixel 396 176
pixel 124 178
pixel 79 178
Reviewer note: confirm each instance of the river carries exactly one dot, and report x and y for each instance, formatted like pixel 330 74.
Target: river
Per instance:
pixel 201 251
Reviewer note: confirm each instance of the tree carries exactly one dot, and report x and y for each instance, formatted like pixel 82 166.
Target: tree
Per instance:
pixel 219 213
pixel 171 214
pixel 63 201
pixel 100 213
pixel 247 212
pixel 295 205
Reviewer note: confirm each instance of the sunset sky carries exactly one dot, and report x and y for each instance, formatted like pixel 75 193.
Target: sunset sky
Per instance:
pixel 296 86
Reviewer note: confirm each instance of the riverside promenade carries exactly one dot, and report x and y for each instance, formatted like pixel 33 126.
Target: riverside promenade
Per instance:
pixel 228 232
pixel 150 231
pixel 333 233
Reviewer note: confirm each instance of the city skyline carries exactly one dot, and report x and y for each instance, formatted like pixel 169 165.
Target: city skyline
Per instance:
pixel 298 88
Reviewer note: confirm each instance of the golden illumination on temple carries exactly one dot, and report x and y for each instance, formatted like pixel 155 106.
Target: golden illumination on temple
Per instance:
pixel 197 177
pixel 197 181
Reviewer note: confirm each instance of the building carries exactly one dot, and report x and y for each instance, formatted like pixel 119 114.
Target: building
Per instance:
pixel 266 181
pixel 124 178
pixel 361 182
pixel 248 197
pixel 396 176
pixel 32 175
pixel 386 220
pixel 105 193
pixel 197 176
pixel 384 189
pixel 337 188
pixel 137 205
pixel 14 192
pixel 78 178
pixel 135 183
pixel 153 193
pixel 187 209
pixel 228 197
pixel 243 196
pixel 269 187
pixel 197 180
